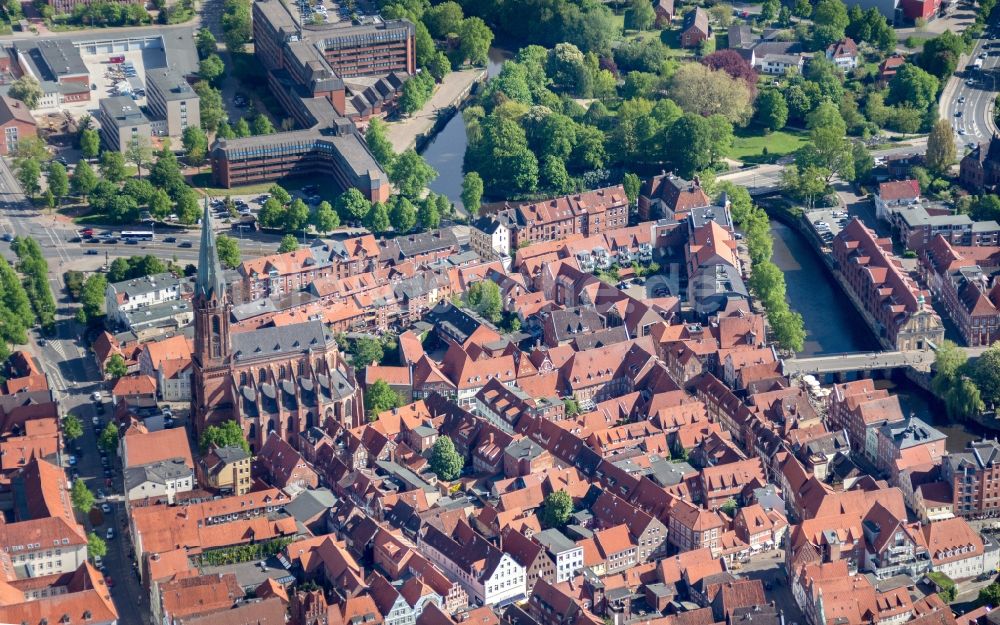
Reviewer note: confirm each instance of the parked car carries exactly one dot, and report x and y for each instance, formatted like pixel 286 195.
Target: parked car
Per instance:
pixel 106 509
pixel 96 395
pixel 110 534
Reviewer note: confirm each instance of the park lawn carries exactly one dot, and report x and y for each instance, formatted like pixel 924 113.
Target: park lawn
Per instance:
pixel 749 144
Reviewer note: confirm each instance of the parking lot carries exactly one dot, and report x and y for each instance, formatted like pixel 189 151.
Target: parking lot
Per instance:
pixel 827 223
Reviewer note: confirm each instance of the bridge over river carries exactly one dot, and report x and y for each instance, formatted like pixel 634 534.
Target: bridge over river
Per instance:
pixel 921 360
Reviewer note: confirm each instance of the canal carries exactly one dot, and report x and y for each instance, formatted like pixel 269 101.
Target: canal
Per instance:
pixel 834 326
pixel 446 150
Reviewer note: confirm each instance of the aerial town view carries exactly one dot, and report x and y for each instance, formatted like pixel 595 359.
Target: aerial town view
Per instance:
pixel 500 312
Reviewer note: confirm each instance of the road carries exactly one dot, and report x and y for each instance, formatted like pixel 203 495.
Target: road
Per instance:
pixel 765 179
pixel 73 376
pixel 967 99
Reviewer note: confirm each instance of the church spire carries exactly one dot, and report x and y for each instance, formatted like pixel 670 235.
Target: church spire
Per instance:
pixel 210 282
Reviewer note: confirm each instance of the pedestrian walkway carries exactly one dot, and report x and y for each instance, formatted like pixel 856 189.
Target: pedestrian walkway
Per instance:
pixel 451 92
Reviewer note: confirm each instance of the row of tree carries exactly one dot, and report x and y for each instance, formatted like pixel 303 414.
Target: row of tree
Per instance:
pixel 34 270
pixel 766 280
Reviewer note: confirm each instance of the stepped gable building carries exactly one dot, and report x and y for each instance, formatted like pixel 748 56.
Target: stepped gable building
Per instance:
pixel 283 379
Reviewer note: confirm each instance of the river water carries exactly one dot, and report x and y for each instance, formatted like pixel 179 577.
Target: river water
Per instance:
pixel 834 326
pixel 447 149
pixel 832 323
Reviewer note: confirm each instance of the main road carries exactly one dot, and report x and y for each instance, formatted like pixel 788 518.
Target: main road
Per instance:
pixel 967 99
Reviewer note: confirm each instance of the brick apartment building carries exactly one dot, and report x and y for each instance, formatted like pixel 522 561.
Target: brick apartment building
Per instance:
pixel 278 274
pixel 963 280
pixel 890 296
pixel 16 122
pixel 588 213
pixel 974 477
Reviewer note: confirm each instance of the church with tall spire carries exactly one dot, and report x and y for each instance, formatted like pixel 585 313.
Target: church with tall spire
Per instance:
pixel 283 379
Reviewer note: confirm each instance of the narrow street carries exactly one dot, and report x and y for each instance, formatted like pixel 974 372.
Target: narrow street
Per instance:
pixel 73 376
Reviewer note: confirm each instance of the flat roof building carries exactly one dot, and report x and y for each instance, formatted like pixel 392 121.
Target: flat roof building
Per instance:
pixel 122 122
pixel 172 99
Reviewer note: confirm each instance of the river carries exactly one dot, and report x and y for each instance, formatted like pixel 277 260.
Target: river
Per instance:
pixel 446 150
pixel 833 326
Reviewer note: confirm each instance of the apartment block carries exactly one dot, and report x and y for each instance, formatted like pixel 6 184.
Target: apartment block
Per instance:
pixel 172 99
pixel 122 123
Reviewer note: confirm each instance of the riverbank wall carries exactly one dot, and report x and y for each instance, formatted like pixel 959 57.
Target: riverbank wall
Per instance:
pixel 449 98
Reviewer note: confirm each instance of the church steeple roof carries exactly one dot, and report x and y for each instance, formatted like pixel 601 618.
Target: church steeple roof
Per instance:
pixel 210 282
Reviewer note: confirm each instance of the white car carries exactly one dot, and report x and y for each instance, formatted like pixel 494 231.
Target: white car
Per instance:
pixel 111 533
pixel 106 509
pixel 96 421
pixel 96 396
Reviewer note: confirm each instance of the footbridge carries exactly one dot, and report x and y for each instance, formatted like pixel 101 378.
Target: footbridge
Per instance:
pixel 859 361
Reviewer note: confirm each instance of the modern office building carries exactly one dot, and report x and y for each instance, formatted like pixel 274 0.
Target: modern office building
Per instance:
pixel 173 103
pixel 122 122
pixel 344 157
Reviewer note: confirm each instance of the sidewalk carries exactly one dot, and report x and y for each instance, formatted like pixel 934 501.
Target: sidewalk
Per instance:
pixel 452 90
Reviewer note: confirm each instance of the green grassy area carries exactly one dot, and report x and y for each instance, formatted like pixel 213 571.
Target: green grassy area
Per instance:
pixel 750 143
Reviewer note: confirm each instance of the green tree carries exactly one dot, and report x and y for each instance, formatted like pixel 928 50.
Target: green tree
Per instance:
pixel 288 244
pixel 29 173
pixel 205 42
pixel 365 351
pixel 484 298
pixel 241 128
pixel 990 595
pixel 940 55
pixel 769 11
pixel 352 205
pixel 428 215
pixel 772 109
pixel 83 180
pixel 96 547
pixel 445 461
pixel 474 40
pixel 324 218
pixel 80 495
pixel 411 174
pixel 556 509
pixel 830 21
pixel 139 153
pixel 279 194
pixel 72 427
pixel 228 249
pixel 940 148
pixel 113 166
pixel 986 374
pixel 402 214
pixel 690 137
pixel 212 110
pixel 640 15
pixel 90 143
pixel 115 367
pixel 58 180
pixel 379 397
pixel 444 19
pixel 92 298
pixel 27 90
pixel 227 434
pixel 195 143
pixel 913 87
pixel 378 142
pixel 211 68
pixel 472 192
pixel 108 438
pixel 261 125
pixel 571 407
pixel 632 184
pixel 378 218
pixel 237 28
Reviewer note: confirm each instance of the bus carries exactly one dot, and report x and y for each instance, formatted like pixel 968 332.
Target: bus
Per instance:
pixel 137 235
